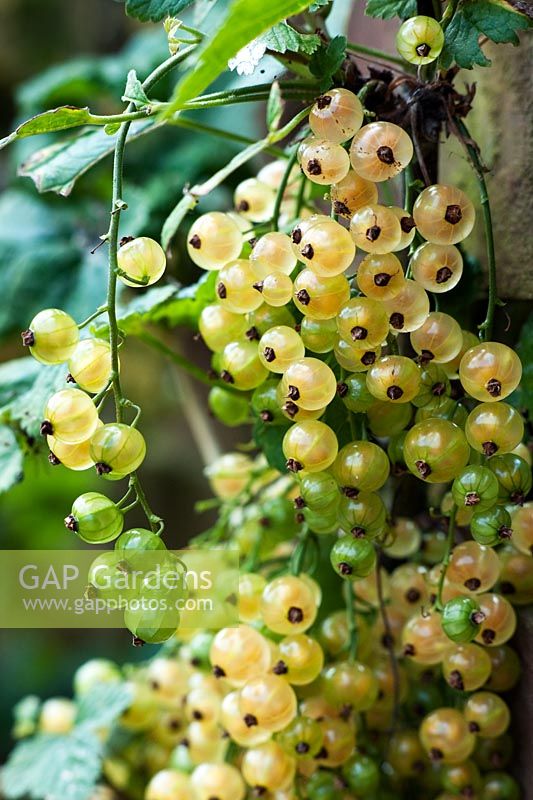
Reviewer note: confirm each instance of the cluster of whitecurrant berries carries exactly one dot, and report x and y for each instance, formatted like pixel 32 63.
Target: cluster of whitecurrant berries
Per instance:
pixel 319 317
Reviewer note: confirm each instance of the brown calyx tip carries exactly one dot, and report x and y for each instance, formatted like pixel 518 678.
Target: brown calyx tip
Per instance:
pixel 197 715
pixel 412 595
pixel 302 748
pixel 221 291
pixel 322 753
pixel 341 209
pixel 303 297
pixel 70 379
pixel 350 491
pixel 473 727
pixel 137 641
pixel 323 101
pixel 342 389
pixel 290 408
pixel 218 672
pixel 505 532
pixel 53 459
pixel 299 518
pixel 249 720
pixel 385 154
pixel 453 214
pixel 195 242
pixel 125 239
pixel 438 389
pixel 489 448
pixel 252 334
pixel 409 650
pixel 506 587
pixel 382 279
pixel 299 502
pixel 394 392
pixel 308 251
pixel 258 286
pixel 472 584
pixel 517 497
pixel 425 357
pixel 244 205
pixel 269 354
pixel 435 754
pixel 102 469
pixel 407 224
pixel 455 679
pixel 397 320
pixel 280 668
pixel 71 523
pixel 368 358
pixel 477 617
pixel 494 387
pixel 46 428
pixel 358 333
pixel 266 415
pixel 345 568
pixel 488 636
pixel 28 338
pixel 472 499
pixel 358 532
pixel 373 233
pixel 293 392
pixel 226 376
pixel 314 167
pixel 424 470
pixel 295 615
pixel 293 465
pixel 443 275
pixel 296 236
pixel 423 50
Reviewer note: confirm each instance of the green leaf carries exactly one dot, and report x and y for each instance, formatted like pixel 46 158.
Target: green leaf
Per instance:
pixel 56 168
pixel 274 110
pixel 16 377
pixel 155 10
pixel 244 21
pixel 27 408
pixel 54 767
pixel 175 218
pixel 103 704
pixel 386 9
pixel 11 459
pixel 522 398
pixel 496 19
pixel 269 439
pixel 283 37
pixel 134 92
pixel 57 119
pixel 325 62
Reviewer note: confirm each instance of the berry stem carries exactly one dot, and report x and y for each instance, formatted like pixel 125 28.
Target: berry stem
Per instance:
pixel 447 17
pixel 282 186
pixel 486 327
pixel 299 552
pixel 389 643
pixel 210 130
pixel 97 313
pixel 447 555
pixel 353 637
pixel 379 54
pixel 156 523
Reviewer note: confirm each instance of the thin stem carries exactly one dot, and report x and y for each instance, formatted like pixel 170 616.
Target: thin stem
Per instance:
pixel 486 327
pixel 389 643
pixel 392 343
pixel 199 127
pixel 371 51
pixel 300 196
pixel 447 17
pixel 282 186
pixel 184 363
pixel 447 555
pixel 353 636
pixel 153 519
pixel 299 552
pixel 97 313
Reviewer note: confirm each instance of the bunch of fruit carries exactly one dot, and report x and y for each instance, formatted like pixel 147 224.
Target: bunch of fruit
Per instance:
pixel 322 325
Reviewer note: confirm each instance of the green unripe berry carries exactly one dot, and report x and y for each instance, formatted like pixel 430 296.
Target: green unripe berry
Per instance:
pixel 265 403
pixel 353 558
pixel 491 526
pixel 514 477
pixel 95 518
pixel 475 486
pixel 461 619
pixel 362 774
pixel 228 407
pixel 354 393
pixel 319 490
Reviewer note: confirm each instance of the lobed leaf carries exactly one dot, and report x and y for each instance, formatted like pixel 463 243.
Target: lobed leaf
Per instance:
pixel 386 9
pixel 325 62
pixel 283 37
pixel 155 10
